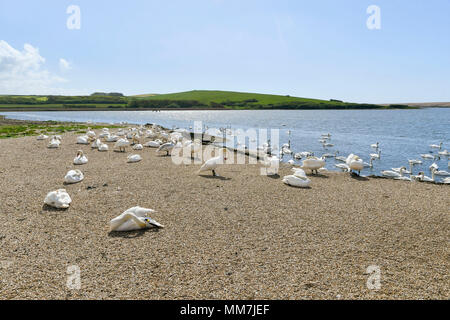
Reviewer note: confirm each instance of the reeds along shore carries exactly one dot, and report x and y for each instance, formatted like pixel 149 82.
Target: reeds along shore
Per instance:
pixel 239 235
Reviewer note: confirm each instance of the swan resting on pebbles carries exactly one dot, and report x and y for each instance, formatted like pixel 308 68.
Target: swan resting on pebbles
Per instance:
pixel 134 158
pixel 73 176
pixel 135 218
pixel 59 199
pixel 80 158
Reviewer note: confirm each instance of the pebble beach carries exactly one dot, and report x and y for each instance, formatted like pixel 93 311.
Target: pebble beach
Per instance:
pixel 240 235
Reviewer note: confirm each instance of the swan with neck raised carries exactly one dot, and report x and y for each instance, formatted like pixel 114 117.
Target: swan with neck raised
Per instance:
pixel 135 218
pixel 80 158
pixel 436 146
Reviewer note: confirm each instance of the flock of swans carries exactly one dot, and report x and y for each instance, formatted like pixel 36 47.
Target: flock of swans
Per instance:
pixel 165 141
pixel 354 164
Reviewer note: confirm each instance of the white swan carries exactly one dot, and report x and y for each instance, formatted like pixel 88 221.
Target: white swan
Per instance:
pixel 73 176
pixel 434 166
pixel 298 172
pixel 138 147
pixel 313 164
pixel 134 158
pixel 271 164
pixel 393 174
pixel 444 153
pixel 103 147
pixel 355 163
pixel 111 138
pixel 59 199
pixel 422 178
pixel 42 137
pixel 375 146
pixel 440 172
pixel 96 144
pixel 80 158
pixel 213 163
pixel 428 156
pixel 54 143
pixel 134 219
pixel 297 181
pixel 436 146
pixel 167 147
pixel 401 169
pixel 152 144
pixel 376 155
pixel 414 162
pixel 83 140
pixel 122 144
pixel 446 180
pixel 90 133
pixel 343 167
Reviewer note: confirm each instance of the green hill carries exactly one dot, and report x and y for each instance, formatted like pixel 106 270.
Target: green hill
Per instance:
pixel 197 99
pixel 238 100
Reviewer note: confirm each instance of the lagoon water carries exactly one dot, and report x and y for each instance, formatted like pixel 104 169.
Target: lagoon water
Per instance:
pixel 402 134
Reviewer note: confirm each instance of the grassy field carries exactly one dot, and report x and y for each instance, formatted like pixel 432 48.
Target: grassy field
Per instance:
pixel 207 97
pixel 18 128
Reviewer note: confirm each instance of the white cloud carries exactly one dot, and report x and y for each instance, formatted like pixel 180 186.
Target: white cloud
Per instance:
pixel 64 65
pixel 22 72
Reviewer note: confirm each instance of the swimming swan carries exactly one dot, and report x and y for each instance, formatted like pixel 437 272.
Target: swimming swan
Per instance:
pixel 436 146
pixel 73 176
pixel 393 174
pixel 134 219
pixel 59 199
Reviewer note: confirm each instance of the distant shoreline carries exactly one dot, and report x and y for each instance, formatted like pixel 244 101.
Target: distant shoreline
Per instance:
pixel 57 109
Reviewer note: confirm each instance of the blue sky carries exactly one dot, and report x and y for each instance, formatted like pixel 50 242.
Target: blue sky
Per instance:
pixel 317 49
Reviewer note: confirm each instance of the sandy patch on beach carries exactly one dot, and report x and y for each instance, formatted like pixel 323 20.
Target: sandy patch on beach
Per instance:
pixel 243 236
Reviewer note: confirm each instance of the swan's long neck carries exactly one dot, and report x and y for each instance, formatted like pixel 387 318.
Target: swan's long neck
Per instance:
pixel 125 218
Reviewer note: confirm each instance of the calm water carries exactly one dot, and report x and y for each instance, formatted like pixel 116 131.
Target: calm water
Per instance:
pixel 402 134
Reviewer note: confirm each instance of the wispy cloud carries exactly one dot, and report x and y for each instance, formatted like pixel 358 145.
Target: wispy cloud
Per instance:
pixel 64 65
pixel 23 72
